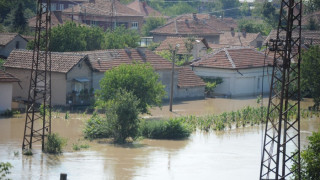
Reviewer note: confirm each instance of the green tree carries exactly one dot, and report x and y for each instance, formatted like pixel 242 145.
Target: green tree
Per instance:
pixel 178 9
pixel 270 14
pixel 2 61
pixel 310 159
pixel 311 5
pixel 121 38
pixel 140 79
pixel 19 22
pixel 310 73
pixel 151 24
pixel 312 24
pixel 122 116
pixel 231 8
pixel 245 9
pixel 254 26
pixel 4 169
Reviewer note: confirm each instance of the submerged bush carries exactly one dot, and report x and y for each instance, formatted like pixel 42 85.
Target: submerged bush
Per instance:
pixel 170 129
pixel 54 144
pixel 97 127
pixel 4 169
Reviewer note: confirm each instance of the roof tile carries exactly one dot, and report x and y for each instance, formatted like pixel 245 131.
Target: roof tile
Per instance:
pixel 187 78
pixel 7 77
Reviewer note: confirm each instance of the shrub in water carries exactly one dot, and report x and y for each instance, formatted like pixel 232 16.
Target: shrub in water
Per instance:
pixel 97 127
pixel 54 143
pixel 171 129
pixel 4 169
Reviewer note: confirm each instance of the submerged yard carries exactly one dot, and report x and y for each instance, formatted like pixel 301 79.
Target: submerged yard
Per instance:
pixel 229 154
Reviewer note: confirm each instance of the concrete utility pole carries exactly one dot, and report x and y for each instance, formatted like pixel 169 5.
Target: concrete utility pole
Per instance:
pixel 173 52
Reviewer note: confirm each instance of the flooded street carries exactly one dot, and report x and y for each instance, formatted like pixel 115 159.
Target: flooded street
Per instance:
pixel 231 154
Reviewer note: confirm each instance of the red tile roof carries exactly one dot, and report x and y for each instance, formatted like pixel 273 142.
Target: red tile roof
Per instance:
pixel 187 78
pixel 234 58
pixel 56 19
pixel 106 60
pixel 61 62
pixel 5 38
pixel 103 8
pixel 186 27
pixel 238 38
pixel 7 77
pixel 307 35
pixel 144 8
pixel 305 19
pixel 173 41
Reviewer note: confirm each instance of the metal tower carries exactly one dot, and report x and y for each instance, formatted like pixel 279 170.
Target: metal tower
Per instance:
pixel 281 150
pixel 38 113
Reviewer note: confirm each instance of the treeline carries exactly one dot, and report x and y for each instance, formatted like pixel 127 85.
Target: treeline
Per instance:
pixel 75 37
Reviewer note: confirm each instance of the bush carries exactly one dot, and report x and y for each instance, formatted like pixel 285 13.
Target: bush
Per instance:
pixel 97 127
pixel 4 169
pixel 310 159
pixel 54 144
pixel 170 129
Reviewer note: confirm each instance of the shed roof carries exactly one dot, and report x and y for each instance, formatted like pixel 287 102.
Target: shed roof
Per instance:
pixel 7 77
pixel 238 38
pixel 234 58
pixel 5 38
pixel 173 41
pixel 61 62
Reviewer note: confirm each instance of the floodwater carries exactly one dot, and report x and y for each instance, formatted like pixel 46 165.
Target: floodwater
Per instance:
pixel 231 154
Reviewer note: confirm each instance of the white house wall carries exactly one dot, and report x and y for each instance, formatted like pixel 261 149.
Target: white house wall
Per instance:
pixel 243 82
pixel 5 96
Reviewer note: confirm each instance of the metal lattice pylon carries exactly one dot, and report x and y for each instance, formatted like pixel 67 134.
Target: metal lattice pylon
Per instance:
pixel 38 113
pixel 281 149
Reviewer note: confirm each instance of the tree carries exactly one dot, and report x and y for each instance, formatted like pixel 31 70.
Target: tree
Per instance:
pixel 121 38
pixel 140 79
pixel 312 24
pixel 310 159
pixel 2 61
pixel 122 116
pixel 151 24
pixel 19 22
pixel 310 73
pixel 311 5
pixel 254 26
pixel 270 14
pixel 231 8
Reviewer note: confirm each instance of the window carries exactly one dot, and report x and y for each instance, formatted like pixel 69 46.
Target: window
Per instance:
pixel 93 23
pixel 53 6
pixel 78 86
pixel 61 7
pixel 134 25
pixel 17 44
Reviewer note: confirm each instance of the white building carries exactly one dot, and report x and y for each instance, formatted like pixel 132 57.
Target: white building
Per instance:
pixel 241 70
pixel 6 81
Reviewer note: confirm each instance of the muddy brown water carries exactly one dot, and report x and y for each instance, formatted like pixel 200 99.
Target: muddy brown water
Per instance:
pixel 231 154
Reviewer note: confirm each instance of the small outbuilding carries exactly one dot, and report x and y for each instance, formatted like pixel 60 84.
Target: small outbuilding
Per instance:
pixel 241 69
pixel 6 83
pixel 11 41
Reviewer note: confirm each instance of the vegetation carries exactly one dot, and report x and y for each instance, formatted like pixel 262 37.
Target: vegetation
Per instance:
pixel 19 23
pixel 77 147
pixel 311 6
pixel 27 152
pixel 211 84
pixel 5 169
pixel 254 26
pixel 9 113
pixel 54 144
pixel 165 129
pixel 151 24
pixel 97 127
pixel 312 24
pixel 139 79
pixel 74 37
pixel 310 70
pixel 310 159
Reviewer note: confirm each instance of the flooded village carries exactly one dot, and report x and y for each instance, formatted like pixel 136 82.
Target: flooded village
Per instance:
pixel 135 89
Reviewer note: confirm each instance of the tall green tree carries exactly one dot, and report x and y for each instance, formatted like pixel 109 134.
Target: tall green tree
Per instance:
pixel 121 38
pixel 231 8
pixel 19 22
pixel 310 73
pixel 311 6
pixel 140 79
pixel 254 26
pixel 151 24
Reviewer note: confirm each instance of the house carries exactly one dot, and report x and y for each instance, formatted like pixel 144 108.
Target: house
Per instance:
pixel 6 82
pixel 57 18
pixel 9 42
pixel 241 70
pixel 59 5
pixel 75 75
pixel 307 37
pixel 199 46
pixel 71 74
pixel 232 38
pixel 186 83
pixel 314 16
pixel 144 9
pixel 186 27
pixel 106 14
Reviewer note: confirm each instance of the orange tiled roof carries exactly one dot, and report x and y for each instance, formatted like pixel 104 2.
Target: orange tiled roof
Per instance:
pixel 106 60
pixel 238 38
pixel 173 41
pixel 103 8
pixel 144 8
pixel 306 18
pixel 186 27
pixel 61 62
pixel 56 19
pixel 187 78
pixel 307 35
pixel 7 77
pixel 234 58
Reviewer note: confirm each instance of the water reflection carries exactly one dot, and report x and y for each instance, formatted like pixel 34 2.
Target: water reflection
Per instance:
pixel 233 154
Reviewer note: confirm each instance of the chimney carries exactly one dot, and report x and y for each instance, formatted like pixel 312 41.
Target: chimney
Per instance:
pixel 187 22
pixel 244 33
pixel 232 32
pixel 194 15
